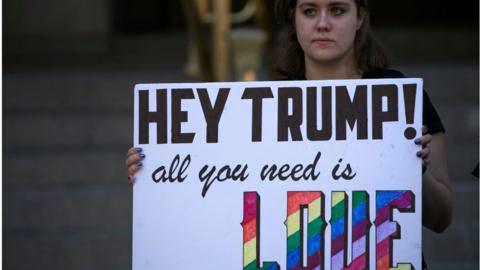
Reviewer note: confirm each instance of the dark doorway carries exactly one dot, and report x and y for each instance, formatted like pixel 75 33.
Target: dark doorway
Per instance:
pixel 143 16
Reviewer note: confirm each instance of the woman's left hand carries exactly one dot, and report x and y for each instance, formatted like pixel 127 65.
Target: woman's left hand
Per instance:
pixel 437 201
pixel 424 141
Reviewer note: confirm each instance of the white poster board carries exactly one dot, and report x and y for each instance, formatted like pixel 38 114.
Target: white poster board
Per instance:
pixel 278 175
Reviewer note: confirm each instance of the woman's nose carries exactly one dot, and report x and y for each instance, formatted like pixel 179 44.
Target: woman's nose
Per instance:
pixel 323 22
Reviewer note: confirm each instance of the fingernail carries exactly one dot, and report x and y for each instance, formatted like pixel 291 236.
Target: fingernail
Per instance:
pixel 130 179
pixel 138 149
pixel 142 156
pixel 419 153
pixel 417 141
pixel 139 164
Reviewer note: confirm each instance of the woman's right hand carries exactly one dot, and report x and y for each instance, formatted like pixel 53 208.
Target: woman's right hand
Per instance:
pixel 133 162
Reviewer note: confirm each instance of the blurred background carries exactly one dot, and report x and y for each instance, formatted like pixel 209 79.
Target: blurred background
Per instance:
pixel 69 68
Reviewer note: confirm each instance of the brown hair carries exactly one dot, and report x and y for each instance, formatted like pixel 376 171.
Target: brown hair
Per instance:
pixel 289 59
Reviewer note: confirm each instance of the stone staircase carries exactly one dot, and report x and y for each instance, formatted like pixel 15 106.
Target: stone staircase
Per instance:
pixel 66 201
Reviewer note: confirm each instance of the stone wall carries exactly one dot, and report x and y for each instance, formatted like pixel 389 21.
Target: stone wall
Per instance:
pixel 56 26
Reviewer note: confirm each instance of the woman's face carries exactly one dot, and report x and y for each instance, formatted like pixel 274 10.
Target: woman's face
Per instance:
pixel 326 29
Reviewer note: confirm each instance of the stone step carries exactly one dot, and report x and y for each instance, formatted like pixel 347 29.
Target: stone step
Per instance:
pixel 465 203
pixel 460 120
pixel 78 90
pixel 447 83
pixel 68 130
pixel 55 209
pixel 451 245
pixel 94 250
pixel 453 265
pixel 68 170
pixel 463 232
pixel 462 157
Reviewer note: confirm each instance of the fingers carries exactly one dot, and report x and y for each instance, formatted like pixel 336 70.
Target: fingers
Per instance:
pixel 131 151
pixel 425 155
pixel 134 150
pixel 132 169
pixel 131 179
pixel 424 140
pixel 134 158
pixel 133 162
pixel 424 130
pixel 425 152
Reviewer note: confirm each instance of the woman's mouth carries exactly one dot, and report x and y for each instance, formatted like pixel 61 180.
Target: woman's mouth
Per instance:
pixel 321 41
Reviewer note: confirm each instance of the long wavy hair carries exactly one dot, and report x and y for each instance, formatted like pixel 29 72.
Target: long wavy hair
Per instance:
pixel 289 61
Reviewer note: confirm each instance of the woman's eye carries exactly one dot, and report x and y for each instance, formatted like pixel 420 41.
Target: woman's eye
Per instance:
pixel 309 12
pixel 337 10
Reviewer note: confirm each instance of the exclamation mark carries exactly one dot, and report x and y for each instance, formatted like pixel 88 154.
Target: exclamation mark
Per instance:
pixel 409 95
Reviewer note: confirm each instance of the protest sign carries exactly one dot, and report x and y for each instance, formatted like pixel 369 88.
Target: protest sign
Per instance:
pixel 278 175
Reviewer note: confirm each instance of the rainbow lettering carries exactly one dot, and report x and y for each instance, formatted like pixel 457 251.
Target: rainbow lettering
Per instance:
pixel 360 231
pixel 387 230
pixel 338 223
pixel 251 234
pixel 313 201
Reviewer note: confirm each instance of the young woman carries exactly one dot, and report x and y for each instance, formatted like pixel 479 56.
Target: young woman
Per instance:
pixel 332 39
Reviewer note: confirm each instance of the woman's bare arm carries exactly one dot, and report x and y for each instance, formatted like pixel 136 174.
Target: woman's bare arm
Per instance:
pixel 437 192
